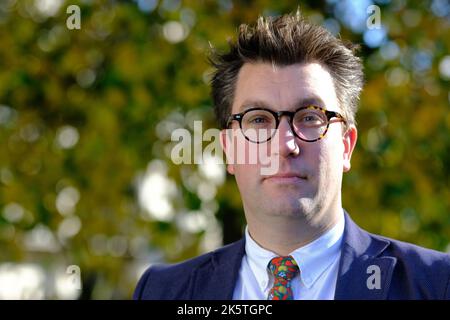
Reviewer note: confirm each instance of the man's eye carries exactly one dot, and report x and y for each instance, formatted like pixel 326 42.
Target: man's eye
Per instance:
pixel 310 118
pixel 258 120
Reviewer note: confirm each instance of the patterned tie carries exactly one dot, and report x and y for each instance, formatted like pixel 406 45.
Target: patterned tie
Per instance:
pixel 284 270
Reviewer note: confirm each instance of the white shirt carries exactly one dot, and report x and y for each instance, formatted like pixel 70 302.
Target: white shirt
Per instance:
pixel 318 262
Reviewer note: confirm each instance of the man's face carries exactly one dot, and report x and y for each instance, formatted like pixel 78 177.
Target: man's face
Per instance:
pixel 308 180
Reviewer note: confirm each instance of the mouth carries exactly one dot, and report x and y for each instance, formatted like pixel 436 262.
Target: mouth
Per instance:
pixel 286 178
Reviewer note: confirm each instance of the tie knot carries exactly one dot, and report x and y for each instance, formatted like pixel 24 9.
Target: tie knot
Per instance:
pixel 283 267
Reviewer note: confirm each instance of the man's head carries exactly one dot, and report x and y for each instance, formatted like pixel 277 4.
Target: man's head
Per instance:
pixel 286 64
pixel 283 41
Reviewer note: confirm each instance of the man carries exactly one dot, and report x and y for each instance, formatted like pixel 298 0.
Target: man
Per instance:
pixel 292 88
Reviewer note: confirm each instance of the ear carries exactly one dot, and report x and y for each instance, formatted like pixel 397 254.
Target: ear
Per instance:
pixel 349 140
pixel 228 148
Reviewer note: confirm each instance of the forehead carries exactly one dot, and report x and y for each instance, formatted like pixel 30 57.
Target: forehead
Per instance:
pixel 284 87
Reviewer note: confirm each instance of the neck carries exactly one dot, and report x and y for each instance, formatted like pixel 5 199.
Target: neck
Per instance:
pixel 282 235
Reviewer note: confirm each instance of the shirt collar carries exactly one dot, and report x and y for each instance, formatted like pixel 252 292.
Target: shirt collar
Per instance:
pixel 313 259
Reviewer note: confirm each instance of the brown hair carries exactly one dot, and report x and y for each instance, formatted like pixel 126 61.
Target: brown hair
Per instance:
pixel 283 41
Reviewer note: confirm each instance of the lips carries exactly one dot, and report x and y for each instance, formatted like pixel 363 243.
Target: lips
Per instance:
pixel 287 177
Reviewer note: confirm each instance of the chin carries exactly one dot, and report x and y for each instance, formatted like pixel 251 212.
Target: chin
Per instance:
pixel 289 208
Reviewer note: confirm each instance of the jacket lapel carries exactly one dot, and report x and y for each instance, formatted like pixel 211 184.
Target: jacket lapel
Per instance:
pixel 216 278
pixel 363 274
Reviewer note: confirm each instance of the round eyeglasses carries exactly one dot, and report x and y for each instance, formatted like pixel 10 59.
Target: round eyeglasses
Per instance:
pixel 308 123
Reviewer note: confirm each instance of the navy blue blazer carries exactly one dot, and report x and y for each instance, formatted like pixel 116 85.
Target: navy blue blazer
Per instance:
pixel 404 271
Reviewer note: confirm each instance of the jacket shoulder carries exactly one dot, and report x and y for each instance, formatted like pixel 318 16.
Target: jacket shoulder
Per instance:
pixel 425 270
pixel 164 275
pixel 420 256
pixel 172 280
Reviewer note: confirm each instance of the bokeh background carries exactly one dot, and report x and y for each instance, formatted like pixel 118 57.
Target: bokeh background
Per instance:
pixel 86 117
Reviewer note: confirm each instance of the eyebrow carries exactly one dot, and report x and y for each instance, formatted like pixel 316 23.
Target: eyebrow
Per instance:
pixel 313 100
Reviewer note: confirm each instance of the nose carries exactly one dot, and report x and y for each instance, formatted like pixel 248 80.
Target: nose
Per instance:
pixel 285 143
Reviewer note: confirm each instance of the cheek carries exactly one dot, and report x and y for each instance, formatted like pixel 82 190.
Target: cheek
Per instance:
pixel 241 152
pixel 246 176
pixel 331 160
